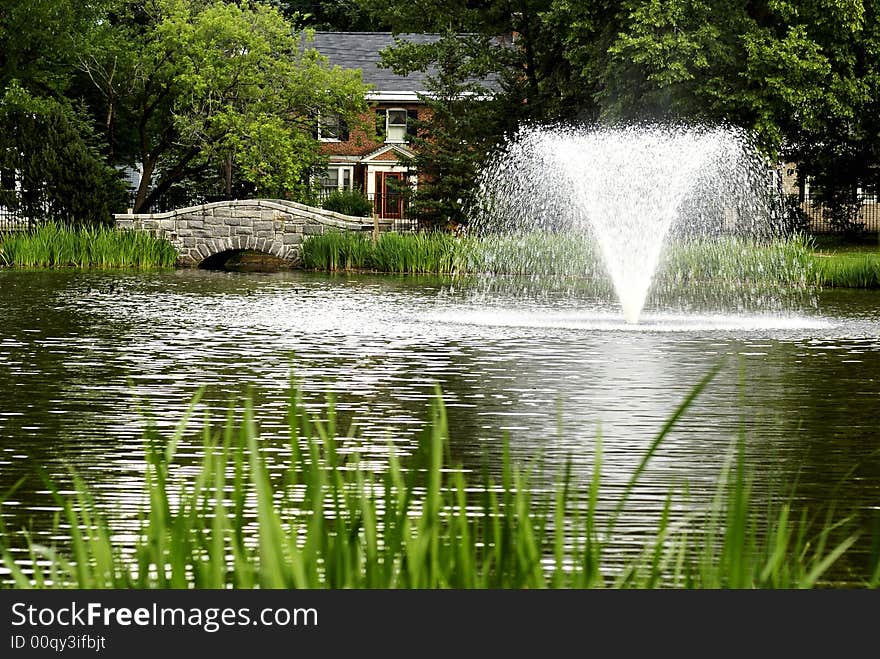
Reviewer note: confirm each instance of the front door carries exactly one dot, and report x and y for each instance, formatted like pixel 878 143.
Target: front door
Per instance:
pixel 390 188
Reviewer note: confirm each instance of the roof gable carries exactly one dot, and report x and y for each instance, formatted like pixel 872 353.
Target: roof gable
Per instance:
pixel 388 153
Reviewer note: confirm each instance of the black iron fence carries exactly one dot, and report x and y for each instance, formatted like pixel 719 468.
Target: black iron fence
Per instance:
pixel 852 214
pixel 11 219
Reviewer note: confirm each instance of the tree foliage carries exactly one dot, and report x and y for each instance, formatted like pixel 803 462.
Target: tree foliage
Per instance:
pixel 219 95
pixel 40 41
pixel 222 95
pixel 215 86
pixel 801 76
pixel 463 121
pixel 340 15
pixel 60 172
pixel 496 66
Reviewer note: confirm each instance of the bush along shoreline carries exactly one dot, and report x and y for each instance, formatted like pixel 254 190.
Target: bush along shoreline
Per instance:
pixel 320 518
pixel 53 245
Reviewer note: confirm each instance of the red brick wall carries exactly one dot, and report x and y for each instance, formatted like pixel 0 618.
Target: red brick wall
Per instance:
pixel 362 136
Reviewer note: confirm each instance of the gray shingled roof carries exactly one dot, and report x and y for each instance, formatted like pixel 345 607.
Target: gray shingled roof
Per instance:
pixel 360 50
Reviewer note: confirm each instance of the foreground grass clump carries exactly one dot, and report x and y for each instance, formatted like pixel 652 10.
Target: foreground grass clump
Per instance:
pixel 57 246
pixel 321 519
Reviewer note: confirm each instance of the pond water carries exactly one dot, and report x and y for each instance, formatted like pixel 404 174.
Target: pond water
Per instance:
pixel 83 354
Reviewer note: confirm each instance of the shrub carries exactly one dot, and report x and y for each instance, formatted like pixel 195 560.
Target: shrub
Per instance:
pixel 348 202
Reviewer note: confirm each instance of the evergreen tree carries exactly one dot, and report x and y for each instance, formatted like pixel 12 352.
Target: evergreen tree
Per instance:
pixel 462 121
pixel 804 78
pixel 498 65
pixel 48 148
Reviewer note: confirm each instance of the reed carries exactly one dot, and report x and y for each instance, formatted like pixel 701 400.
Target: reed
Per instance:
pixel 729 261
pixel 54 245
pixel 409 253
pixel 788 261
pixel 319 518
pixel 414 253
pixel 843 270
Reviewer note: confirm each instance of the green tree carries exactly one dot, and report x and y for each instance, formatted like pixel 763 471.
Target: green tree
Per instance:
pixel 342 15
pixel 463 121
pixel 40 42
pixel 522 40
pixel 509 56
pixel 53 155
pixel 188 86
pixel 801 75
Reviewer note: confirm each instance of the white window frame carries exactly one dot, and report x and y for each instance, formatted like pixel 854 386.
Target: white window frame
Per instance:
pixel 334 138
pixel 341 170
pixel 388 126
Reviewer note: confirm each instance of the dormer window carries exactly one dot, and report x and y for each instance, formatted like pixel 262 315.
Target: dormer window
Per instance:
pixel 395 125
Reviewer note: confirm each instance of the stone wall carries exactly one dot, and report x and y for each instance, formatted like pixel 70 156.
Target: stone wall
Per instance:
pixel 274 227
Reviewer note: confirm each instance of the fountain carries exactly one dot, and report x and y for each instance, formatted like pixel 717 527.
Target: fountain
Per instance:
pixel 628 189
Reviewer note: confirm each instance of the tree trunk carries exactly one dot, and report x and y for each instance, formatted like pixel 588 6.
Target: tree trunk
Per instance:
pixel 146 179
pixel 170 177
pixel 227 176
pixel 109 128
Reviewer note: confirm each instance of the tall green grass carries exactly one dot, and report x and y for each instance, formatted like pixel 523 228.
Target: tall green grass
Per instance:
pixel 848 270
pixel 729 259
pixel 320 518
pixel 410 253
pixel 442 253
pixel 415 253
pixel 542 254
pixel 57 246
pixel 787 261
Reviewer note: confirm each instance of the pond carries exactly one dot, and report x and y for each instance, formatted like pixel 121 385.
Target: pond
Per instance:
pixel 85 356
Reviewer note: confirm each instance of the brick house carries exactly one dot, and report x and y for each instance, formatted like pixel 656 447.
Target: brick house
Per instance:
pixel 360 159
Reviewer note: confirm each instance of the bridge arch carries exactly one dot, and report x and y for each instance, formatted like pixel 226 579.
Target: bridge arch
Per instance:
pixel 271 226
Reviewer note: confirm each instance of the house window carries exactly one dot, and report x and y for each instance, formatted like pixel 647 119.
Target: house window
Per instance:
pixel 395 125
pixel 332 128
pixel 336 178
pixel 7 179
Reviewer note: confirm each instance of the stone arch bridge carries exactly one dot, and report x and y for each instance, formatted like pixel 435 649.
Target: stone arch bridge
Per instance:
pixel 275 227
